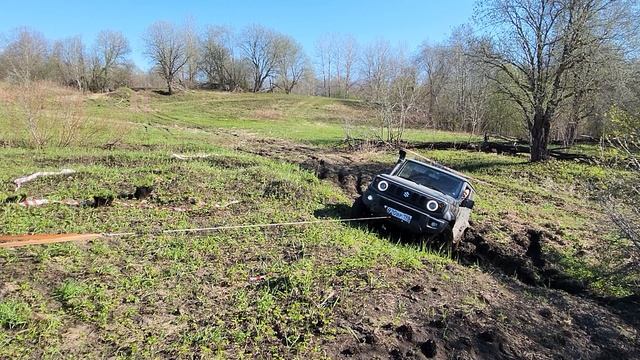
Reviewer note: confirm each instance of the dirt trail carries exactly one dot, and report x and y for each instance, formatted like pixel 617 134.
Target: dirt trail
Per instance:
pixel 351 170
pixel 529 309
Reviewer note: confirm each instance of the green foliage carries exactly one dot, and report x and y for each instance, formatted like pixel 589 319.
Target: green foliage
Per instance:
pixel 624 124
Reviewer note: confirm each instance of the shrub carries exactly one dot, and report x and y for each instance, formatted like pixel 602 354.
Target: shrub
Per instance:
pixel 40 114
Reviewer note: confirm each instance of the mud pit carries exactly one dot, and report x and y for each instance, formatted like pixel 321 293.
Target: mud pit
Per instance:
pixel 352 171
pixel 516 305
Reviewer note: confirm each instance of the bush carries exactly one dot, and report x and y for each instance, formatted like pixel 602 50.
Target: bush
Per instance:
pixel 40 114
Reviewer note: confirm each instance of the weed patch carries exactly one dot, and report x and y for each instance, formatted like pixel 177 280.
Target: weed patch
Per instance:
pixel 14 314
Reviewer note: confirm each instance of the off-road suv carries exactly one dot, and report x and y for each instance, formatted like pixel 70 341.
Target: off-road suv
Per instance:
pixel 420 198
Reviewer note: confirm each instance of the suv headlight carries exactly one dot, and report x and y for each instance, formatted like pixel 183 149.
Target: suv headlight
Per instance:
pixel 432 205
pixel 383 185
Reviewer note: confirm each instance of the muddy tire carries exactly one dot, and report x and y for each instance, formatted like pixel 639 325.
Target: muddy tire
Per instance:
pixel 448 238
pixel 461 225
pixel 443 241
pixel 359 209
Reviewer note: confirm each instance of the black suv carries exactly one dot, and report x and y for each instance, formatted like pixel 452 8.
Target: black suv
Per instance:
pixel 420 198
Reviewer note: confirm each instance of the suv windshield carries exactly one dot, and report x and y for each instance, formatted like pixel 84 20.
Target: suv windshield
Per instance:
pixel 431 178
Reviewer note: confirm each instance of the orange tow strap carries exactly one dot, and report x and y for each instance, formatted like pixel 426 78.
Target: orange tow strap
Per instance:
pixel 12 241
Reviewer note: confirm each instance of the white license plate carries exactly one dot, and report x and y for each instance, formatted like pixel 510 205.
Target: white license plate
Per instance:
pixel 399 215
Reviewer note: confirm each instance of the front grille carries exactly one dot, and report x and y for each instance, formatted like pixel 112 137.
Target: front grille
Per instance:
pixel 415 199
pixel 396 191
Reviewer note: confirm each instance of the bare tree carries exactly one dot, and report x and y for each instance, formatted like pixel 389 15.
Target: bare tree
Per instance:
pixel 435 63
pixel 218 61
pixel 343 52
pixel 337 56
pixel 464 100
pixel 348 61
pixel 291 63
pixel 25 56
pixel 390 84
pixel 70 54
pixel 166 49
pixel 376 65
pixel 260 48
pixel 324 55
pixel 110 51
pixel 192 46
pixel 398 101
pixel 622 193
pixel 535 44
pixel 214 56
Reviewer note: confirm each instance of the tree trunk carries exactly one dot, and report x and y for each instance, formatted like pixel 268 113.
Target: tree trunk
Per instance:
pixel 571 133
pixel 169 87
pixel 540 137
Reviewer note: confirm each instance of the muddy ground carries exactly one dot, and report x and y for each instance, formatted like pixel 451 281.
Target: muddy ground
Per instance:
pixel 529 309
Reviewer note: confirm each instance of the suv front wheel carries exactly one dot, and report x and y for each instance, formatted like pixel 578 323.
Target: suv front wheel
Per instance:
pixel 359 209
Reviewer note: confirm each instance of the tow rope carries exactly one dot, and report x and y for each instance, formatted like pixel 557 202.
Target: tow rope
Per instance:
pixel 13 241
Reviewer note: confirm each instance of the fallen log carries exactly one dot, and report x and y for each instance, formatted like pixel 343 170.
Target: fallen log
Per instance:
pixel 502 148
pixel 446 145
pixel 25 179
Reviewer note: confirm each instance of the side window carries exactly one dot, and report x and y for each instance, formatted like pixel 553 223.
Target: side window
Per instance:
pixel 466 192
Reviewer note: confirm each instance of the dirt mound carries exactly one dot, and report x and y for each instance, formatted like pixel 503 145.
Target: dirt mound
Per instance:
pixel 447 313
pixel 351 171
pixel 523 258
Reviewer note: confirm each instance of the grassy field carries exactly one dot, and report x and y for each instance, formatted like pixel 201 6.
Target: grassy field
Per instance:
pixel 112 287
pixel 315 120
pixel 315 291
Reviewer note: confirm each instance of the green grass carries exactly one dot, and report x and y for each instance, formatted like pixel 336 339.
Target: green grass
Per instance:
pixel 14 314
pixel 124 288
pixel 187 295
pixel 316 120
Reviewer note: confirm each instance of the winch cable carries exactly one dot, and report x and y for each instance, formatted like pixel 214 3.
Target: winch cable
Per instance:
pixel 12 241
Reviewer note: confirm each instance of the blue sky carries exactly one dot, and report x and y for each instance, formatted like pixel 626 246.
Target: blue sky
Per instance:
pixel 399 21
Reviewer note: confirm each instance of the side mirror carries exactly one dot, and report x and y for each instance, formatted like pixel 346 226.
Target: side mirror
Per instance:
pixel 467 203
pixel 403 155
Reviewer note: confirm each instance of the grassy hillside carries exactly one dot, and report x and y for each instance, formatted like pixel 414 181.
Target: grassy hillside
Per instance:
pixel 315 120
pixel 326 290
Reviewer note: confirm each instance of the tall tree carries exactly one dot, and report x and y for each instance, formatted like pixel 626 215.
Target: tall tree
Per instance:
pixel 166 48
pixel 534 43
pixel 435 63
pixel 291 63
pixel 192 45
pixel 111 49
pixel 260 48
pixel 376 66
pixel 71 59
pixel 325 57
pixel 336 55
pixel 218 62
pixel 348 62
pixel 25 56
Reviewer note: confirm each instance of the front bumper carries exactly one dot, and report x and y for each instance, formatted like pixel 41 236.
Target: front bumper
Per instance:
pixel 421 222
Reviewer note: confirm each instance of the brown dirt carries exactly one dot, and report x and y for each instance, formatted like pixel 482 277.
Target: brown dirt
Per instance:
pixel 468 314
pixel 351 170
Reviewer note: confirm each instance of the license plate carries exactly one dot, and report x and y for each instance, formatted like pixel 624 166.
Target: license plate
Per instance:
pixel 399 215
